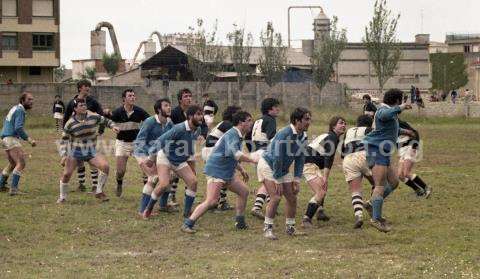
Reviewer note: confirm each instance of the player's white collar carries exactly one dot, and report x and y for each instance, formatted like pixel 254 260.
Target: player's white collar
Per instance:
pixel 187 127
pixel 238 131
pixel 293 129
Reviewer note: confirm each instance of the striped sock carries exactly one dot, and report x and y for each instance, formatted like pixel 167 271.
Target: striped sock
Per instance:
pixel 357 203
pixel 268 223
pixel 223 196
pixel 81 175
pixel 145 179
pixel 173 191
pixel 259 201
pixel 94 174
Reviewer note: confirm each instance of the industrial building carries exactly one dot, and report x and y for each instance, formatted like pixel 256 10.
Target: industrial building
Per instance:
pixel 30 40
pixel 353 69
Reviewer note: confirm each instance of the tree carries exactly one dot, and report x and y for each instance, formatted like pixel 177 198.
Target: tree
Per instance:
pixel 240 50
pixel 205 55
pixel 449 71
pixel 272 62
pixel 382 45
pixel 59 73
pixel 90 73
pixel 327 55
pixel 111 63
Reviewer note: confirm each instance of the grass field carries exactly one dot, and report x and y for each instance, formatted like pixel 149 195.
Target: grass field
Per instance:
pixel 439 237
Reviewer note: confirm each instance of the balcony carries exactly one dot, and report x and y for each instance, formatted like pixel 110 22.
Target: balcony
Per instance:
pixel 40 58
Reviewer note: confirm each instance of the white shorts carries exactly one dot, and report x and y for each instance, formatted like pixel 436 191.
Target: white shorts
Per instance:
pixel 163 160
pixel 407 153
pixel 58 115
pixel 123 149
pixel 206 151
pixel 311 171
pixel 8 143
pixel 265 172
pixel 211 179
pixel 257 155
pixel 355 165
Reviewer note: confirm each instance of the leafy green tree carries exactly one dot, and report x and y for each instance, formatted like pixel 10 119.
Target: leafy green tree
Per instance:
pixel 240 51
pixel 272 62
pixel 327 55
pixel 111 63
pixel 382 45
pixel 449 71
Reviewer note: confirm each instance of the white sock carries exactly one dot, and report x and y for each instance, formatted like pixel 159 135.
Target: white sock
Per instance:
pixel 290 221
pixel 63 190
pixel 102 180
pixel 147 189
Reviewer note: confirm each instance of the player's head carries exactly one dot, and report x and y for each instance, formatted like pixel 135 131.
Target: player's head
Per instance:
pixel 195 114
pixel 229 112
pixel 337 124
pixel 366 98
pixel 270 106
pixel 128 96
pixel 163 107
pixel 184 97
pixel 26 100
pixel 243 121
pixel 83 86
pixel 393 97
pixel 79 106
pixel 57 97
pixel 301 118
pixel 364 121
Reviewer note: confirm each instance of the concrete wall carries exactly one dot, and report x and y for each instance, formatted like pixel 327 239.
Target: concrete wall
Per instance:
pixel 291 94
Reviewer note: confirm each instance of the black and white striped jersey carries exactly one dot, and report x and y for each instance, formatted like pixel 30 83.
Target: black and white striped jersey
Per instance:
pixel 321 151
pixel 353 140
pixel 217 132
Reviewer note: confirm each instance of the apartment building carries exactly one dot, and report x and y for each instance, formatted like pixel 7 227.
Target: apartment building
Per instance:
pixel 30 40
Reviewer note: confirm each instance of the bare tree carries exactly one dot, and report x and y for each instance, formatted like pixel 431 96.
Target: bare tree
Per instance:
pixel 272 62
pixel 382 45
pixel 327 55
pixel 205 55
pixel 240 50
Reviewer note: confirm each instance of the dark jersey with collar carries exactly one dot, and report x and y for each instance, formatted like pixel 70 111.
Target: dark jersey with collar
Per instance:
pixel 217 133
pixel 178 115
pixel 58 107
pixel 128 124
pixel 369 107
pixel 321 151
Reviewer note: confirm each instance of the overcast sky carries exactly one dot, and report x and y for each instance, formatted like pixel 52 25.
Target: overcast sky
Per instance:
pixel 134 20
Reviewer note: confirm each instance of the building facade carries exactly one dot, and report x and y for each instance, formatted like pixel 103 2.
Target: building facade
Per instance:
pixel 30 40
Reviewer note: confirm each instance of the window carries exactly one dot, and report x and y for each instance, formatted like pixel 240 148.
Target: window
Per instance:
pixel 9 7
pixel 35 71
pixel 466 48
pixel 42 8
pixel 9 41
pixel 42 41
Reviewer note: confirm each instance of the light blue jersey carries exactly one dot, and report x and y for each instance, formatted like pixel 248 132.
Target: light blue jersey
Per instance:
pixel 14 123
